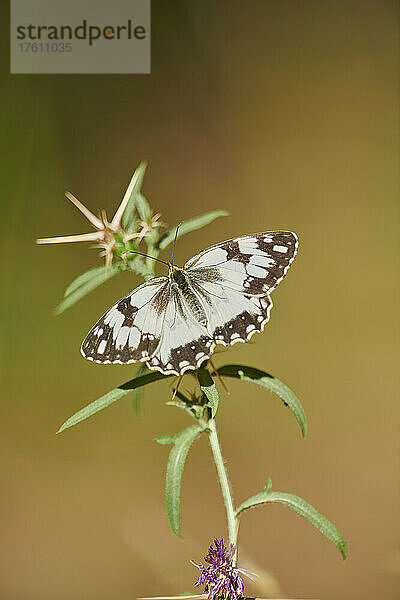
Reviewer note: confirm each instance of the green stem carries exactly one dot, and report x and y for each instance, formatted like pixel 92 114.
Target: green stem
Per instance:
pixel 223 479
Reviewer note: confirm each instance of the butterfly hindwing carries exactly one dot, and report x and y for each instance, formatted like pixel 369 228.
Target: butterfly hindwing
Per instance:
pixel 131 330
pixel 232 316
pixel 185 342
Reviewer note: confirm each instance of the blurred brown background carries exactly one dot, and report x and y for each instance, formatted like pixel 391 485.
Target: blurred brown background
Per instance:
pixel 286 114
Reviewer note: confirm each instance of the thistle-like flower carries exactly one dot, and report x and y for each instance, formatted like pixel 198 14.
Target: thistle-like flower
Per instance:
pixel 104 233
pixel 107 232
pixel 146 228
pixel 221 579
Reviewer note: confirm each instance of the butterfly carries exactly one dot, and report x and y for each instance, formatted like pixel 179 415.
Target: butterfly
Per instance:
pixel 220 296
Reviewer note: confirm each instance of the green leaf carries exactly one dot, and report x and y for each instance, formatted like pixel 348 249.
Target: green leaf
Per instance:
pixel 181 401
pixel 86 282
pixel 134 187
pixel 110 398
pixel 83 278
pixel 271 383
pixel 190 225
pixel 209 389
pixel 138 392
pixel 302 508
pixel 165 440
pixel 268 485
pixel 176 462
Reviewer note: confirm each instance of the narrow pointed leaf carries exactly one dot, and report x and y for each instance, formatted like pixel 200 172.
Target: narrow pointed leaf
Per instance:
pixel 209 388
pixel 82 279
pixel 165 440
pixel 190 225
pixel 176 461
pixel 271 383
pixel 181 401
pixel 135 185
pixel 268 485
pixel 87 282
pixel 110 398
pixel 302 508
pixel 138 392
pixel 178 404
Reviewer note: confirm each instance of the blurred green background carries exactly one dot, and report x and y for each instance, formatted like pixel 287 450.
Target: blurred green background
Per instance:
pixel 286 114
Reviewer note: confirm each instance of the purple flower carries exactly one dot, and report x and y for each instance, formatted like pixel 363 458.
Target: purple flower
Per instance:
pixel 220 577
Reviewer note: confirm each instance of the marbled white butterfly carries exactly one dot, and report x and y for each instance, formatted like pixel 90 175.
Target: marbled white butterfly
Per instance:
pixel 220 296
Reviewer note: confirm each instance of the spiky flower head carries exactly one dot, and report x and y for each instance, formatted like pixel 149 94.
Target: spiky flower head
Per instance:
pixel 110 235
pixel 220 577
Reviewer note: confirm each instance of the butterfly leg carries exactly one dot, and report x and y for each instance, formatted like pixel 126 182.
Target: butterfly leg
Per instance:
pixel 177 386
pixel 219 377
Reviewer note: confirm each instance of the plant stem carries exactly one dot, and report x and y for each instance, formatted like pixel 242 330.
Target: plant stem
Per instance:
pixel 223 479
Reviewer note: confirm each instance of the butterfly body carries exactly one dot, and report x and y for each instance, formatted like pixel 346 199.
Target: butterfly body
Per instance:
pixel 182 281
pixel 220 296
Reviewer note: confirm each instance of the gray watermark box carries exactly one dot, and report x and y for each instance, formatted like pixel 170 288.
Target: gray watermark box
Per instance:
pixel 71 36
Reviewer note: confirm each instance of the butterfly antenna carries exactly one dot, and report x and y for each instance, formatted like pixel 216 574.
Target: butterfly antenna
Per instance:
pixel 173 247
pixel 146 255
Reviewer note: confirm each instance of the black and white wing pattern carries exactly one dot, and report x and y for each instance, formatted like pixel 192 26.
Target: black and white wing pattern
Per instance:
pixel 132 329
pixel 154 323
pixel 252 264
pixel 234 280
pixel 220 296
pixel 186 341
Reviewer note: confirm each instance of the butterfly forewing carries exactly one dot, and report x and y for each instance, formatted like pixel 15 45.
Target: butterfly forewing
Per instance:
pixel 252 264
pixel 132 329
